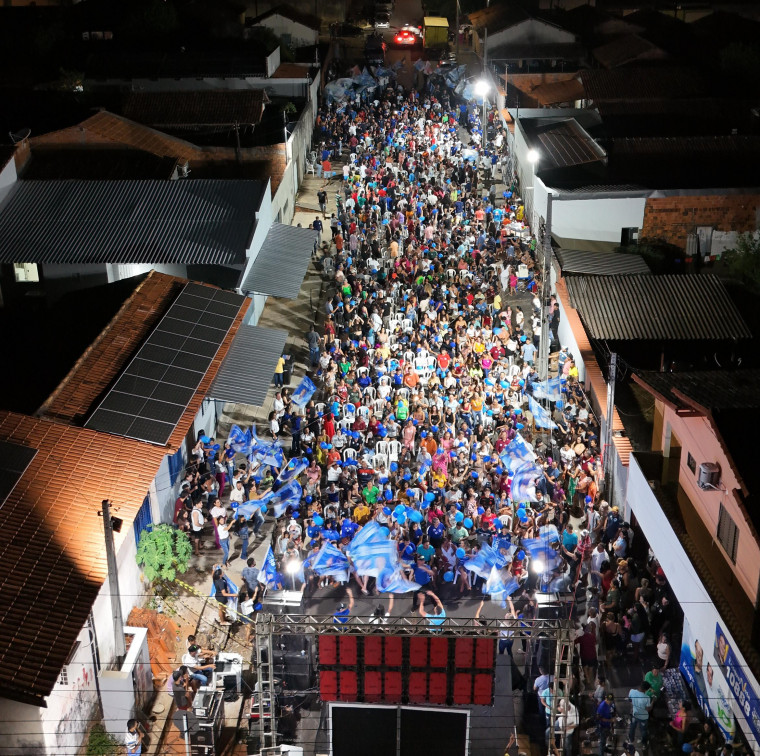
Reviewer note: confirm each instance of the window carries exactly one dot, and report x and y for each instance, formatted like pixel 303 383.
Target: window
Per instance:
pixel 691 463
pixel 63 678
pixel 26 272
pixel 728 533
pixel 143 520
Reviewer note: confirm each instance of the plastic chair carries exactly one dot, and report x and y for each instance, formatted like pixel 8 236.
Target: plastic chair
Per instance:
pixel 394 450
pixel 349 453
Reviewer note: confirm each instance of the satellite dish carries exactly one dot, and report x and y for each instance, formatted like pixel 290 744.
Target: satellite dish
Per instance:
pixel 19 136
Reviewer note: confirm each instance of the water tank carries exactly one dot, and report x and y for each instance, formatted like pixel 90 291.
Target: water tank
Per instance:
pixel 709 475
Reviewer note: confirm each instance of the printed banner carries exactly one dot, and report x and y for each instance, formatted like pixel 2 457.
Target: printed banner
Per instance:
pixel 303 392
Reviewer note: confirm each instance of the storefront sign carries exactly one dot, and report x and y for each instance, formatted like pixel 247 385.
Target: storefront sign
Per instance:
pixel 705 678
pixel 737 681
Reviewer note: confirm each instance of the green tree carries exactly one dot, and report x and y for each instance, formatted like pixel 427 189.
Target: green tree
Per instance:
pixel 100 743
pixel 163 552
pixel 743 260
pixel 661 256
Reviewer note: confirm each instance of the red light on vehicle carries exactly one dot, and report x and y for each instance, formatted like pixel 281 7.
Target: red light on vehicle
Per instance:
pixel 398 38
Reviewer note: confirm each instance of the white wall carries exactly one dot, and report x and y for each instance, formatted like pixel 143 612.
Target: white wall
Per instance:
pixel 700 612
pixel 8 175
pixel 300 35
pixel 566 338
pixel 593 219
pixel 118 272
pixel 530 31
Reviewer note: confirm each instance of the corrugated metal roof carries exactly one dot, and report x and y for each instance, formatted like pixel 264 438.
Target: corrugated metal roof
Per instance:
pixel 280 266
pixel 183 221
pixel 638 83
pixel 661 308
pixel 600 263
pixel 247 370
pixel 626 49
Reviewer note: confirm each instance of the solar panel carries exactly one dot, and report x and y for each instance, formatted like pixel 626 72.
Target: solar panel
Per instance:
pixel 150 396
pixel 14 459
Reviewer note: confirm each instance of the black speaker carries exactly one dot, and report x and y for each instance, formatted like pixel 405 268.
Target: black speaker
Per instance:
pixel 295 669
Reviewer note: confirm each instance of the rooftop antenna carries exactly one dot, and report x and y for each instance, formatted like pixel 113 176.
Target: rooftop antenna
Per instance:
pixel 19 136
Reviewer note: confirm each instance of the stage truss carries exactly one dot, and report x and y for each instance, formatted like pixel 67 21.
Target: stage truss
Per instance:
pixel 267 626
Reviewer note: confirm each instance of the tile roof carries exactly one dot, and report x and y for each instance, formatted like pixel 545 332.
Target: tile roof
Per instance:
pixel 52 555
pixel 109 128
pixel 291 71
pixel 185 221
pixel 223 107
pixel 100 366
pixel 639 83
pixel 600 263
pixel 627 49
pixel 555 92
pixel 291 13
pixel 661 308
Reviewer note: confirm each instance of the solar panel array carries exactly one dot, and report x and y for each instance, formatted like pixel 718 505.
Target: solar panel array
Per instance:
pixel 568 145
pixel 14 459
pixel 150 396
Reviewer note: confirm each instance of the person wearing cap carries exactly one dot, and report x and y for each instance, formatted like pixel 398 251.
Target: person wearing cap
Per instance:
pixel 629 750
pixel 342 611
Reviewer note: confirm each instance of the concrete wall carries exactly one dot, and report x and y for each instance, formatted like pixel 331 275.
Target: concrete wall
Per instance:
pixel 118 272
pixel 530 31
pixel 696 437
pixel 673 218
pixel 299 34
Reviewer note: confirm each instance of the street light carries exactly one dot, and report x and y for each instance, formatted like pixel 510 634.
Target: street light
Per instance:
pixel 482 88
pixel 292 567
pixel 532 156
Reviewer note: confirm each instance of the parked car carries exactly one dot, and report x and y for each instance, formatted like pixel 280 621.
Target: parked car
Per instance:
pixel 382 20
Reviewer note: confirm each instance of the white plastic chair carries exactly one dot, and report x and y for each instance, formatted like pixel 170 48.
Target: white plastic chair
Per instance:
pixel 320 407
pixel 381 447
pixel 407 326
pixel 349 410
pixel 311 168
pixel 364 412
pixel 360 371
pixel 451 273
pixel 371 392
pixel 394 450
pixel 409 356
pixel 506 520
pixel 349 453
pixel 403 392
pixel 346 423
pixel 379 460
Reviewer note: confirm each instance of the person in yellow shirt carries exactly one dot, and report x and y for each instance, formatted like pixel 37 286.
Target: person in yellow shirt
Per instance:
pixel 497 304
pixel 362 513
pixel 278 371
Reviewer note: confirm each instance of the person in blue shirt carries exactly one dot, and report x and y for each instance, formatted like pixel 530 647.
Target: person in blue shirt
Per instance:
pixel 438 615
pixel 342 612
pixel 569 543
pixel 436 532
pixel 605 716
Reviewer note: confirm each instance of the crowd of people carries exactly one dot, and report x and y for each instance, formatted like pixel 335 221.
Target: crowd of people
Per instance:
pixel 426 369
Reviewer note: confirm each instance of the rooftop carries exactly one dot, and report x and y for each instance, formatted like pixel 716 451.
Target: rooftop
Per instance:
pixel 291 13
pixel 561 142
pixel 556 92
pixel 115 348
pixel 185 221
pixel 627 49
pixel 656 308
pixel 83 163
pixel 52 544
pixel 223 107
pixel 642 83
pixel 573 261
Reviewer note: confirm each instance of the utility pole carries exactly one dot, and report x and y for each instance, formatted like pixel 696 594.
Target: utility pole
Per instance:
pixel 546 292
pixel 608 456
pixel 456 32
pixel 113 582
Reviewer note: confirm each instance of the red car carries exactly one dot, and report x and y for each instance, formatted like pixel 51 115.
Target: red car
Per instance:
pixel 407 36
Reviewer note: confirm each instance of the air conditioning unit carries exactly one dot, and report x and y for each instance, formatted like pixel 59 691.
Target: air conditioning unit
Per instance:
pixel 709 476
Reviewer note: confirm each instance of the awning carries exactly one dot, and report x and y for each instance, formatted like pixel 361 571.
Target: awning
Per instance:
pixel 280 266
pixel 246 373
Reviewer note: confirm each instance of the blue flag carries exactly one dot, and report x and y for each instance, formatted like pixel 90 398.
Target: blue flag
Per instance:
pixel 497 587
pixel 240 441
pixel 523 486
pixel 394 581
pixel 482 562
pixel 268 571
pixel 289 495
pixel 293 469
pixel 265 452
pixel 247 509
pixel 372 550
pixel 550 389
pixel 516 453
pixel 330 561
pixel 541 416
pixel 303 392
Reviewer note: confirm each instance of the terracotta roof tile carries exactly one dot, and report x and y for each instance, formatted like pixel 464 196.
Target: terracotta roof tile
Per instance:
pixel 52 557
pixel 110 353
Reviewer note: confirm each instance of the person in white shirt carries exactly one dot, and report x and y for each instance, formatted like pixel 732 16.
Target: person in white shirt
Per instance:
pixel 133 738
pixel 237 494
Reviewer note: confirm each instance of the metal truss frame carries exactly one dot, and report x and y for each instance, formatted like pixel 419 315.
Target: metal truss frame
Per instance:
pixel 267 626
